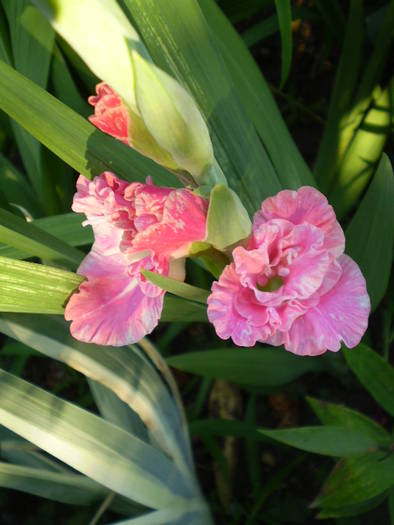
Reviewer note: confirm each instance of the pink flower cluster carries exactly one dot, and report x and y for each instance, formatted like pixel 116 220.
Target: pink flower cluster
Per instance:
pixel 291 285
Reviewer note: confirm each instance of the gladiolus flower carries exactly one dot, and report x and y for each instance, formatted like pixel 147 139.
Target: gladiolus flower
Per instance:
pixel 136 226
pixel 292 284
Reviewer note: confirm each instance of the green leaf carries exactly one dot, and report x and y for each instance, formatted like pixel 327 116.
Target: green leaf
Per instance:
pixel 32 41
pixel 356 480
pixel 173 32
pixel 17 190
pixel 117 411
pixel 125 371
pixel 66 227
pixel 327 440
pixel 193 293
pixel 371 231
pixel 255 96
pixel 71 137
pixel 247 366
pixel 28 238
pixel 333 414
pixel 91 445
pixel 363 154
pixel 344 86
pixel 283 9
pixel 352 510
pixel 35 288
pixel 63 487
pixel 227 220
pixel 179 310
pixel 374 373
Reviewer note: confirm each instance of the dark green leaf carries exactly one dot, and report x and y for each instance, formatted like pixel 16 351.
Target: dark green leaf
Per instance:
pixel 374 373
pixel 283 9
pixel 370 235
pixel 247 366
pixel 326 440
pixel 356 480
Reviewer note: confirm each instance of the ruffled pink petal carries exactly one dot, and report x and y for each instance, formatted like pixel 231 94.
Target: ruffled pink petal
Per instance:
pixel 183 222
pixel 305 205
pixel 115 306
pixel 110 114
pixel 341 315
pixel 223 314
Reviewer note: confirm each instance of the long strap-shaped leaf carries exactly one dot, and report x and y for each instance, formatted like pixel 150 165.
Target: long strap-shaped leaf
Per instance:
pixel 123 370
pixel 26 237
pixel 256 98
pixel 91 445
pixel 69 135
pixel 179 41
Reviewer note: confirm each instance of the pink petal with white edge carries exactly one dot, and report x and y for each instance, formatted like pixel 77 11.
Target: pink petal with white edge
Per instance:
pixel 341 315
pixel 305 205
pixel 183 222
pixel 110 114
pixel 223 314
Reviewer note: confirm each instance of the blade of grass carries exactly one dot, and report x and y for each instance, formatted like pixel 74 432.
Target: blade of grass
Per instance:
pixel 283 9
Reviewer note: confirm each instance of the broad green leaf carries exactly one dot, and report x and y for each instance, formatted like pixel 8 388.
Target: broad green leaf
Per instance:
pixel 355 480
pixel 376 374
pixel 333 414
pixel 370 234
pixel 91 445
pixel 64 85
pixel 283 9
pixel 35 288
pixel 20 452
pixel 247 366
pixel 363 154
pixel 66 227
pixel 66 488
pixel 108 31
pixel 370 77
pixel 179 41
pixel 28 238
pixel 327 440
pixel 32 41
pixel 5 46
pixel 117 411
pixel 193 514
pixel 352 510
pixel 17 190
pixel 255 96
pixel 344 86
pixel 125 371
pixel 179 310
pixel 227 220
pixel 187 291
pixel 71 137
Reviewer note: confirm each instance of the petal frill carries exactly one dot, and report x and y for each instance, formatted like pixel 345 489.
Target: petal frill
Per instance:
pixel 306 205
pixel 223 313
pixel 183 222
pixel 341 315
pixel 113 307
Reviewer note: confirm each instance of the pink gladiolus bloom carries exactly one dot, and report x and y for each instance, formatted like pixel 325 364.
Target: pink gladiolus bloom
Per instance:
pixel 136 226
pixel 292 285
pixel 110 114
